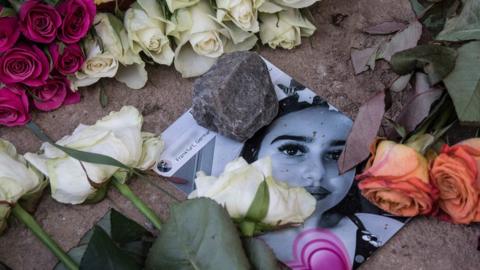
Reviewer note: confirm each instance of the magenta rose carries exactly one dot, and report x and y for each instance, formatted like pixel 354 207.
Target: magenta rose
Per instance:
pixel 66 60
pixel 77 17
pixel 9 32
pixel 52 94
pixel 14 107
pixel 25 64
pixel 39 21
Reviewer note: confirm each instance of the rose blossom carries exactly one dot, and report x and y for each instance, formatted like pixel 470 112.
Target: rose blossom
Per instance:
pixel 68 61
pixel 9 32
pixel 39 21
pixel 455 172
pixel 14 107
pixel 396 180
pixel 53 94
pixel 77 17
pixel 25 64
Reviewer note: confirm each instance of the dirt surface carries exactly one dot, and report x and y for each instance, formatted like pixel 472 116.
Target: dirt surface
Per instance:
pixel 321 63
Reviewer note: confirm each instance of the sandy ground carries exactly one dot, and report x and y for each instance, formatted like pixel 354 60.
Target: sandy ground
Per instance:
pixel 321 63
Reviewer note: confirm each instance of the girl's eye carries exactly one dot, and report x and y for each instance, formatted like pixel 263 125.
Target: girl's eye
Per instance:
pixel 333 155
pixel 293 149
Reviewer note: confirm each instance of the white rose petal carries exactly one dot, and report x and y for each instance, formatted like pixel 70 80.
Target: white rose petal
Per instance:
pixel 284 29
pixel 146 31
pixel 201 39
pixel 117 135
pixel 296 3
pixel 236 188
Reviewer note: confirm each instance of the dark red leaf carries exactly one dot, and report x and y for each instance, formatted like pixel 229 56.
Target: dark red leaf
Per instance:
pixel 418 106
pixel 363 133
pixel 385 28
pixel 362 58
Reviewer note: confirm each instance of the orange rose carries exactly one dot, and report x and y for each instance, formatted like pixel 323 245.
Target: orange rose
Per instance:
pixel 396 180
pixel 455 174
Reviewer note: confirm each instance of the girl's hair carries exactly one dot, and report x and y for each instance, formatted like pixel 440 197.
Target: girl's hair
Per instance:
pixel 287 105
pixel 353 201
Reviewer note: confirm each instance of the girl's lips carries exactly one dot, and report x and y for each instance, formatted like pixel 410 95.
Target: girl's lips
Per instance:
pixel 319 193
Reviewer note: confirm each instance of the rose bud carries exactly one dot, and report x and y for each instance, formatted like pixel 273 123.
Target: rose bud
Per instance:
pixel 455 173
pixel 39 21
pixel 9 32
pixel 396 180
pixel 77 17
pixel 14 107
pixel 25 64
pixel 66 59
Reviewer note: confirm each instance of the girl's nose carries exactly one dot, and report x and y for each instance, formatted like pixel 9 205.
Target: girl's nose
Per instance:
pixel 313 172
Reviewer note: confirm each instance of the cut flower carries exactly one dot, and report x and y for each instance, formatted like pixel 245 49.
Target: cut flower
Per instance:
pixel 117 135
pixel 239 189
pixel 18 181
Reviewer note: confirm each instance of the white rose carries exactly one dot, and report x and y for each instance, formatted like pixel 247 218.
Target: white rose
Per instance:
pixel 17 180
pixel 243 13
pixel 145 25
pixel 97 65
pixel 201 39
pixel 114 40
pixel 178 4
pixel 284 29
pixel 237 186
pixel 117 135
pixel 152 147
pixel 296 3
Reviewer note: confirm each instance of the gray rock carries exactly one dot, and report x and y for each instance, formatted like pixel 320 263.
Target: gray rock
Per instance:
pixel 236 96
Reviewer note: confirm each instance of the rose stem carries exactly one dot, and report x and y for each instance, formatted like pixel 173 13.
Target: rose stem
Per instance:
pixel 141 206
pixel 30 222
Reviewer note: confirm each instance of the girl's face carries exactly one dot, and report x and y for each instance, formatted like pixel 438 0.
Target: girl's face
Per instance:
pixel 304 147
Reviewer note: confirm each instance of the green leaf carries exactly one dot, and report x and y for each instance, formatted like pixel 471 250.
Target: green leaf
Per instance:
pixel 125 230
pixel 103 98
pixel 260 255
pixel 437 61
pixel 7 12
pixel 198 235
pixel 134 241
pixel 434 15
pixel 103 253
pixel 465 26
pixel 76 254
pixel 463 84
pixel 259 208
pixel 77 154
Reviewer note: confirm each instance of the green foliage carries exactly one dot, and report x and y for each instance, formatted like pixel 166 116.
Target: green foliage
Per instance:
pixel 463 84
pixel 117 240
pixel 103 253
pixel 260 255
pixel 198 235
pixel 465 26
pixel 437 61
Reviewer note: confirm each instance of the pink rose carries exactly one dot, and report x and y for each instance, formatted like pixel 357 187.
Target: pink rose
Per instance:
pixel 52 95
pixel 24 64
pixel 9 32
pixel 66 61
pixel 77 17
pixel 39 21
pixel 14 107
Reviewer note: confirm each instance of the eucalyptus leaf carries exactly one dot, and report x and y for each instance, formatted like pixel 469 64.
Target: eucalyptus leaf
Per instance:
pixel 198 235
pixel 260 255
pixel 437 61
pixel 435 13
pixel 103 253
pixel 463 84
pixel 465 26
